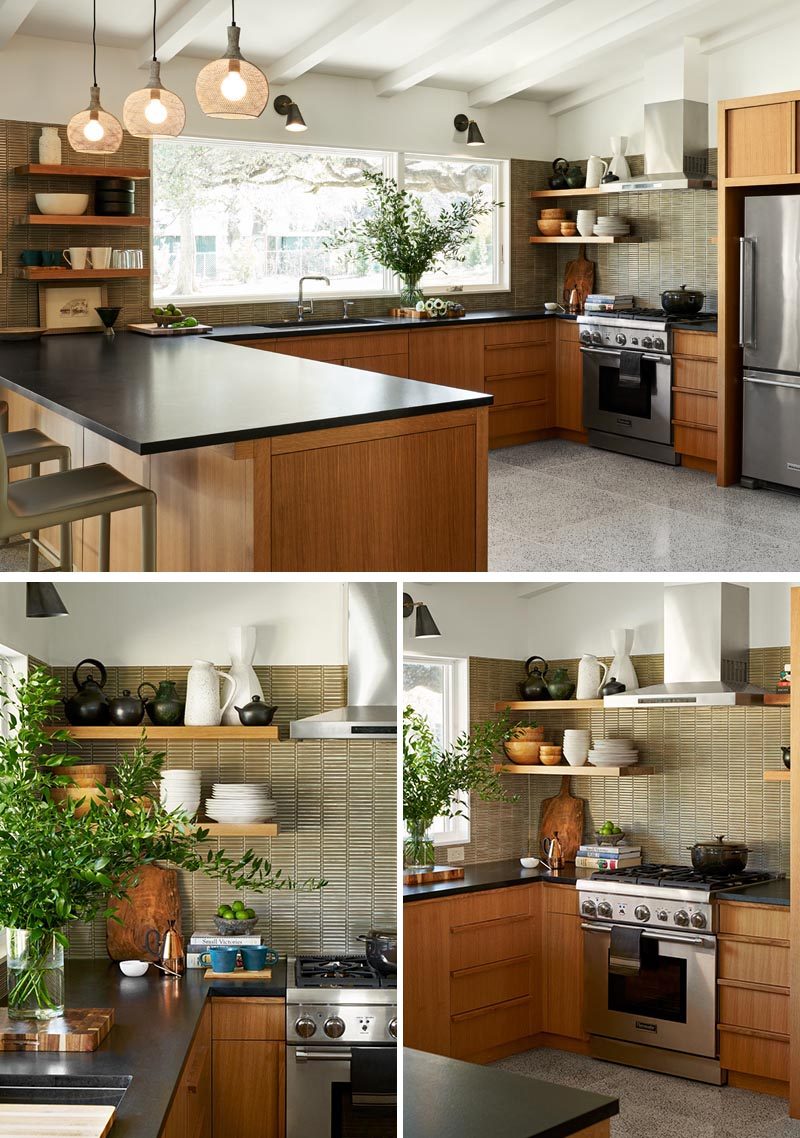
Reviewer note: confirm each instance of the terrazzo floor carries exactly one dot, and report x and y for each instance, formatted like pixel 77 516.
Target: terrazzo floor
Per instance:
pixel 14 557
pixel 660 1106
pixel 557 506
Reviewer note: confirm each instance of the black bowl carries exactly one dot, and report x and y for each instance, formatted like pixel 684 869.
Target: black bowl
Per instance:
pixel 108 314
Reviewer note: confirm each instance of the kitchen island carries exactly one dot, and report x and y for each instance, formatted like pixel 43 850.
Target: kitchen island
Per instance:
pixel 261 461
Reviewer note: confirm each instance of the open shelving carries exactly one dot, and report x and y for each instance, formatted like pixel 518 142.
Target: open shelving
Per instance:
pixel 549 705
pixel 39 169
pixel 254 734
pixel 37 273
pixel 566 771
pixel 777 699
pixel 629 240
pixel 82 219
pixel 234 830
pixel 777 776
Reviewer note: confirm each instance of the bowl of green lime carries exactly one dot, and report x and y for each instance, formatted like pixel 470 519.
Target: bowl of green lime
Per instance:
pixel 609 834
pixel 235 919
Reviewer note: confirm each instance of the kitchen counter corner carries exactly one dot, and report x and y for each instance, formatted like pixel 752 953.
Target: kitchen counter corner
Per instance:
pixel 494 875
pixel 767 893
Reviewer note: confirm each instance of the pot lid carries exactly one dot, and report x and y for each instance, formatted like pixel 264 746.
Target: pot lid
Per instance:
pixel 719 843
pixel 682 289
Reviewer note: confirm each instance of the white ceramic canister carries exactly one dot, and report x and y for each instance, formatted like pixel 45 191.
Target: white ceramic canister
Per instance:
pixel 203 708
pixel 50 146
pixel 596 170
pixel 586 221
pixel 242 647
pixel 591 677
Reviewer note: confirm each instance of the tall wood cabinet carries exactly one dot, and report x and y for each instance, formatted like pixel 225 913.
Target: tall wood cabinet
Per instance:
pixel 694 397
pixel 249 1065
pixel 760 136
pixel 190 1115
pixel 562 963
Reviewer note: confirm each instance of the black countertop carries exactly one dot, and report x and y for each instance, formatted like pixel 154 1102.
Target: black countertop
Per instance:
pixel 494 875
pixel 769 893
pixel 155 1020
pixel 156 394
pixel 445 1098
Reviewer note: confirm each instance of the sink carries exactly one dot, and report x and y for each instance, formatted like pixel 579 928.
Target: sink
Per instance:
pixel 325 322
pixel 64 1090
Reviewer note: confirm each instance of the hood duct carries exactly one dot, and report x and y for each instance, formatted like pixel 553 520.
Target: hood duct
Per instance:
pixel 675 148
pixel 706 651
pixel 371 711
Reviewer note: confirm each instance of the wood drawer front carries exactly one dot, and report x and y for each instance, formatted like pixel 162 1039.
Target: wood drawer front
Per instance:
pixel 396 364
pixel 561 899
pixel 260 345
pixel 473 1032
pixel 699 409
pixel 517 359
pixel 373 344
pixel 696 442
pixel 754 1055
pixel 519 389
pixel 754 963
pixel 248 1017
pixel 695 375
pixel 518 332
pixel 507 422
pixel 568 331
pixel 328 349
pixel 700 345
pixel 490 905
pixel 754 1009
pixel 490 984
pixel 760 140
pixel 473 945
pixel 767 922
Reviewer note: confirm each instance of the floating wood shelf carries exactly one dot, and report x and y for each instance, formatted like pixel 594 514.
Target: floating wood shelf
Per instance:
pixel 614 188
pixel 82 171
pixel 585 240
pixel 79 219
pixel 232 830
pixel 35 273
pixel 550 705
pixel 777 776
pixel 776 699
pixel 582 192
pixel 254 734
pixel 566 771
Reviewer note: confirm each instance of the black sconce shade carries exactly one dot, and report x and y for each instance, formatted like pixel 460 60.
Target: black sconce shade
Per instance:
pixel 287 107
pixel 474 136
pixel 426 625
pixel 43 600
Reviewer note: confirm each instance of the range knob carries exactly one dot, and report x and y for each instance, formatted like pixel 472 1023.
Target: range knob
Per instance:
pixel 662 915
pixel 659 343
pixel 333 1027
pixel 642 913
pixel 681 918
pixel 621 338
pixel 597 338
pixel 586 336
pixel 393 1027
pixel 588 908
pixel 647 342
pixel 604 909
pixel 305 1027
pixel 699 920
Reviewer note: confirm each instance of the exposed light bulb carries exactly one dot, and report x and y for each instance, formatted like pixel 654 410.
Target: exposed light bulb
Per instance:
pixel 155 112
pixel 233 87
pixel 93 130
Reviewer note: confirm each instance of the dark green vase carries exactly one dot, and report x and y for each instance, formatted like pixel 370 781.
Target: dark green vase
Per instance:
pixel 165 709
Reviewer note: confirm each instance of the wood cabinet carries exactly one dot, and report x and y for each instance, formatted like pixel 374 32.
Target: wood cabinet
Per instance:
pixel 518 372
pixel 569 378
pixel 694 398
pixel 451 356
pixel 190 1114
pixel 383 352
pixel 562 962
pixel 753 985
pixel 249 1067
pixel 760 137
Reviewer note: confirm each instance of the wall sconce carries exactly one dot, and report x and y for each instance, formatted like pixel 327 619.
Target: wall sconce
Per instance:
pixel 287 107
pixel 474 136
pixel 43 600
pixel 426 627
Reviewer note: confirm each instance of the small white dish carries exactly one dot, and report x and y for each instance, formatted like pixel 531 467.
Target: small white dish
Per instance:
pixel 529 862
pixel 133 967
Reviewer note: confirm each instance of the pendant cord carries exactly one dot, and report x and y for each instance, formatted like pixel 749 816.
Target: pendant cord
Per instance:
pixel 155 2
pixel 94 41
pixel 233 13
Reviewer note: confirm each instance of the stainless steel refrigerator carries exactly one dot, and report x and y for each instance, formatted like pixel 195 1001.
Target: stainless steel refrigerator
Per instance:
pixel 769 332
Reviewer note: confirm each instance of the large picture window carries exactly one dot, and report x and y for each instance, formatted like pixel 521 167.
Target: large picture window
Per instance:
pixel 235 221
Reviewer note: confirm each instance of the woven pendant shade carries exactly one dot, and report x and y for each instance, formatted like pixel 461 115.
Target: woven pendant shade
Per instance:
pixel 230 87
pixel 94 131
pixel 153 111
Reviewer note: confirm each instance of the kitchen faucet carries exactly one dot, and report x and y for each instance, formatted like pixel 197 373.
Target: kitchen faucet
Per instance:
pixel 304 306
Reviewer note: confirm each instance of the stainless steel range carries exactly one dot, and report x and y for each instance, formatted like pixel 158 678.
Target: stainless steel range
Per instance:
pixel 341 1036
pixel 650 966
pixel 627 382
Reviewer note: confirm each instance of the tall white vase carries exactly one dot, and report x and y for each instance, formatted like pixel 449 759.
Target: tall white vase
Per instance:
pixel 203 706
pixel 50 146
pixel 622 668
pixel 619 163
pixel 242 647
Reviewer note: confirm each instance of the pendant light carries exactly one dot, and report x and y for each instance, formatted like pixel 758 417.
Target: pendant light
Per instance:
pixel 43 600
pixel 94 131
pixel 230 87
pixel 153 111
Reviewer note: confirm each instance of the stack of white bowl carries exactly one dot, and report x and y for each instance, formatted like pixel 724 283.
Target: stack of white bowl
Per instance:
pixel 613 753
pixel 612 225
pixel 576 746
pixel 180 790
pixel 241 803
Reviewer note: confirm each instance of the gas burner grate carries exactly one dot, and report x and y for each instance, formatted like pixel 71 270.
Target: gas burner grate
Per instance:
pixel 338 972
pixel 681 876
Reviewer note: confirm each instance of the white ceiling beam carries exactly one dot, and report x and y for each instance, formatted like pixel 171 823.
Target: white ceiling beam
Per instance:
pixel 472 36
pixel 740 30
pixel 190 21
pixel 591 91
pixel 13 14
pixel 359 18
pixel 648 17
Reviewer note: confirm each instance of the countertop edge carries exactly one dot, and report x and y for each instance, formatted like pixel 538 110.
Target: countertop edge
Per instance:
pixel 505 879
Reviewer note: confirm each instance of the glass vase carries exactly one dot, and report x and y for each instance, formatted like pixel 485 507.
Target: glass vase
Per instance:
pixel 35 975
pixel 410 292
pixel 418 846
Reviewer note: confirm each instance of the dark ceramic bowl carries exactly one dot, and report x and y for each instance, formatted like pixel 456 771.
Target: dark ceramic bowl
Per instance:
pixel 227 927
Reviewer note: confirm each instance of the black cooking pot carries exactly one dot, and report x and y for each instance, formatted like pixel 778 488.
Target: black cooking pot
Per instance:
pixel 682 301
pixel 381 950
pixel 719 856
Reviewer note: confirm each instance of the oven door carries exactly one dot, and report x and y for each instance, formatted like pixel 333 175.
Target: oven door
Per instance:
pixel 643 412
pixel 670 1003
pixel 322 1100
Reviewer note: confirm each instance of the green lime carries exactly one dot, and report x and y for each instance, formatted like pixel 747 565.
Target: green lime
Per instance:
pixel 249 914
pixel 238 905
pixel 228 914
pixel 191 322
pixel 158 311
pixel 222 910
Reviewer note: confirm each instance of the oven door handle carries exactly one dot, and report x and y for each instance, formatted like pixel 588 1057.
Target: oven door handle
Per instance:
pixel 343 1055
pixel 615 352
pixel 654 934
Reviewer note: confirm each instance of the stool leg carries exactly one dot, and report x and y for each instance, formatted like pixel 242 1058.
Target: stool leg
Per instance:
pixel 33 552
pixel 66 529
pixel 105 543
pixel 149 535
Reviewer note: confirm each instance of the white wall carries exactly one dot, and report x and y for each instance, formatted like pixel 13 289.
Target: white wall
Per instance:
pixel 48 81
pixel 27 636
pixel 474 619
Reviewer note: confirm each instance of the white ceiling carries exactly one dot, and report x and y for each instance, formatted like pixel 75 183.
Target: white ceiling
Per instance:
pixel 535 49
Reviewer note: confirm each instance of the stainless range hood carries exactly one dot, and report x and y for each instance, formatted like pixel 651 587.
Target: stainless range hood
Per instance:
pixel 706 650
pixel 371 711
pixel 675 148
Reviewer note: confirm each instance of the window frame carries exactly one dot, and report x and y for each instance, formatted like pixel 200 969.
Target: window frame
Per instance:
pixel 14 665
pixel 453 831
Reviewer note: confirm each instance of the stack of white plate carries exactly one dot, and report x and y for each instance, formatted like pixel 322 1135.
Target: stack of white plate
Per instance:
pixel 613 753
pixel 240 803
pixel 612 225
pixel 180 790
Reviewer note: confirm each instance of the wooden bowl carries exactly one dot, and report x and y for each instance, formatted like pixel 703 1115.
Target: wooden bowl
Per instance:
pixel 92 796
pixel 525 754
pixel 84 774
pixel 550 227
pixel 528 734
pixel 553 213
pixel 569 229
pixel 550 756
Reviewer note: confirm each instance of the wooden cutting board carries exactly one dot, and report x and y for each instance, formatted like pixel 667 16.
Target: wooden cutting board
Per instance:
pixel 20 1120
pixel 564 814
pixel 155 330
pixel 152 904
pixel 438 873
pixel 78 1029
pixel 579 274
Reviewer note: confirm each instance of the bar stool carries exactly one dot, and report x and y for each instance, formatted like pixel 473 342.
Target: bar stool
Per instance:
pixel 33 504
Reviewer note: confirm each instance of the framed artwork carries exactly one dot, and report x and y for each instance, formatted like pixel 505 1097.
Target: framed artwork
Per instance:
pixel 71 307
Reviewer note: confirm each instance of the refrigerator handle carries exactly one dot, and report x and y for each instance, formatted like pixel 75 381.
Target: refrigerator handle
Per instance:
pixel 747 293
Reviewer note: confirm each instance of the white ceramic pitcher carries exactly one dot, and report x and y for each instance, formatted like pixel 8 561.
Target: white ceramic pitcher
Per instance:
pixel 242 646
pixel 591 677
pixel 203 707
pixel 596 170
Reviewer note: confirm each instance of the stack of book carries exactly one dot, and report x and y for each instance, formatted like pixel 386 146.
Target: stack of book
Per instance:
pixel 608 857
pixel 608 302
pixel 201 942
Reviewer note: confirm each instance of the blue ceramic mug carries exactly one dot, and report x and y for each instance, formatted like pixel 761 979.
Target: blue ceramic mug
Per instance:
pixel 221 959
pixel 256 956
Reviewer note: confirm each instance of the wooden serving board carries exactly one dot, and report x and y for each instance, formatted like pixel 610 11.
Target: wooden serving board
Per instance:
pixel 563 814
pixel 438 873
pixel 78 1029
pixel 579 274
pixel 152 904
pixel 239 974
pixel 155 330
pixel 21 1120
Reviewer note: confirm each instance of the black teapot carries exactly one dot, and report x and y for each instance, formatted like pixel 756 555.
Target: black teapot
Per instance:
pixel 126 710
pixel 533 687
pixel 612 686
pixel 558 181
pixel 88 707
pixel 256 713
